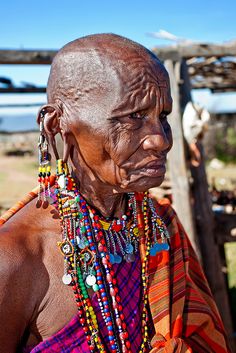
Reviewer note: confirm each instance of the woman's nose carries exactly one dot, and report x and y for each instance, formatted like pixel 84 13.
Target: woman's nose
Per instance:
pixel 158 141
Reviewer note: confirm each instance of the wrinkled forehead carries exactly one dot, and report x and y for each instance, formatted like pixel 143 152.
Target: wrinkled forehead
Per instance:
pixel 144 82
pixel 98 80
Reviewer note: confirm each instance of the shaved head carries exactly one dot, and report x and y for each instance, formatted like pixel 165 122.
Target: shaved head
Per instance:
pixel 98 65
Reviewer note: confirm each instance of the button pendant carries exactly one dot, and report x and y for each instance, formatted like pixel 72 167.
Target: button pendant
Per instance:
pixel 67 278
pixel 90 280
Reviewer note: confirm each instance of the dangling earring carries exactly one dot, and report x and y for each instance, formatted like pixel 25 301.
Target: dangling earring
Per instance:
pixel 44 165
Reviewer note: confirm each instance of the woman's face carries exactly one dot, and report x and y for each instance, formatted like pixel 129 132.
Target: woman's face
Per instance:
pixel 123 139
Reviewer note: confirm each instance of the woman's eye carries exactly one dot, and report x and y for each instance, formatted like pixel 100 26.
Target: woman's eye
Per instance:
pixel 163 116
pixel 137 115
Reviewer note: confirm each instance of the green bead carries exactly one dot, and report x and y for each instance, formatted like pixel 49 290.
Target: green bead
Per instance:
pixel 95 287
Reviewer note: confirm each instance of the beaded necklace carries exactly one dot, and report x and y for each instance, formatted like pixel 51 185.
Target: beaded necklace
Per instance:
pixel 91 245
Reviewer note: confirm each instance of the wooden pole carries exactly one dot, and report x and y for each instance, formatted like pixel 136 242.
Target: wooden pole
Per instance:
pixel 209 248
pixel 176 159
pixel 204 222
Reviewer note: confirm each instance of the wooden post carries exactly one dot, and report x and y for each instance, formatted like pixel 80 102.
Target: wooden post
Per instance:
pixel 209 248
pixel 204 222
pixel 177 161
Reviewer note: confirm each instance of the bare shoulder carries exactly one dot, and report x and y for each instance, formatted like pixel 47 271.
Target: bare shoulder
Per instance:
pixel 24 240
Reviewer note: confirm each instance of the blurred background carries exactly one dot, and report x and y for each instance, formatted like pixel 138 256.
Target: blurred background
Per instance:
pixel 197 43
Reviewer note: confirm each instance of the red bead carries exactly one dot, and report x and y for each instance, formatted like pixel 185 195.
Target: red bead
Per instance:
pixel 117 227
pixel 127 343
pixel 118 298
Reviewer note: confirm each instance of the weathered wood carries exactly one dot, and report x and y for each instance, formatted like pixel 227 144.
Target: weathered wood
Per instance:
pixel 29 57
pixel 23 90
pixel 209 249
pixel 204 221
pixel 198 50
pixel 177 161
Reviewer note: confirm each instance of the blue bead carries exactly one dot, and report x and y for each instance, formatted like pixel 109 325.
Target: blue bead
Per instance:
pixel 110 328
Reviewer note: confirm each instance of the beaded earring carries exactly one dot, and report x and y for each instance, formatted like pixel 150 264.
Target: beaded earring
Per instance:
pixel 44 170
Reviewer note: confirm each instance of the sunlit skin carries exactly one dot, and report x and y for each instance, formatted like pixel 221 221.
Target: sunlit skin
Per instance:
pixel 109 99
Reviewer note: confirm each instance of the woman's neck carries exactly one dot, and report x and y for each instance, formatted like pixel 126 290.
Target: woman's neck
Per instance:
pixel 104 198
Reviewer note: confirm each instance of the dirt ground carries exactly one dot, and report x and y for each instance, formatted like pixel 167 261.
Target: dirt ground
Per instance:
pixel 18 175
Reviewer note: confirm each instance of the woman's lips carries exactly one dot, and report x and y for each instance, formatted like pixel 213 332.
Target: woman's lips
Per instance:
pixel 154 171
pixel 154 168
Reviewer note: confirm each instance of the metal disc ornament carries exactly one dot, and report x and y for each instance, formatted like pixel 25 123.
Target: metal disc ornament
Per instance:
pixel 129 257
pixel 90 280
pixel 67 278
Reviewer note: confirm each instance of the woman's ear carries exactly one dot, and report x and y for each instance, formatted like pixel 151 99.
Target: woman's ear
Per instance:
pixel 51 124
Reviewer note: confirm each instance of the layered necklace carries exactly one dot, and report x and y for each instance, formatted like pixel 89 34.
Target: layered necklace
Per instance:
pixel 91 245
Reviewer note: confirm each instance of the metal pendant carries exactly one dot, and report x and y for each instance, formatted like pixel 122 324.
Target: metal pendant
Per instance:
pixel 61 181
pixel 129 257
pixel 90 280
pixel 117 259
pixel 158 247
pixel 129 249
pixel 66 248
pixel 83 243
pixel 67 279
pixel 112 259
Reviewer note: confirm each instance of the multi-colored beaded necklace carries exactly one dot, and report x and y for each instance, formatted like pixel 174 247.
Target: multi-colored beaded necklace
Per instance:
pixel 91 245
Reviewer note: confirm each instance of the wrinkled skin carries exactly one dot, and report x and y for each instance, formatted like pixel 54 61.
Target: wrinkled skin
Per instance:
pixel 108 98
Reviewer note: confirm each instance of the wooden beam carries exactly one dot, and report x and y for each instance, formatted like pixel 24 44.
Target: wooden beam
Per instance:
pixel 175 53
pixel 23 90
pixel 27 57
pixel 194 50
pixel 213 86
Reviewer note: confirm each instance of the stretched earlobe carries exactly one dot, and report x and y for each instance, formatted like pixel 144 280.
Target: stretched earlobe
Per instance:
pixel 51 124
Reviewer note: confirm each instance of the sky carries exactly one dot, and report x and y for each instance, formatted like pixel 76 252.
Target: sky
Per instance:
pixel 51 24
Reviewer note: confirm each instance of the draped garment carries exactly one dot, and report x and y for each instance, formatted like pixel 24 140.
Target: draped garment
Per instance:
pixel 183 315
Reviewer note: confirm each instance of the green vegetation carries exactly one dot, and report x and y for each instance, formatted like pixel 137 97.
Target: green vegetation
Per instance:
pixel 226 145
pixel 230 253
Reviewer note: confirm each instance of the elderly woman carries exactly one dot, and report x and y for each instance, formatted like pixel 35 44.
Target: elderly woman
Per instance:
pixel 93 264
